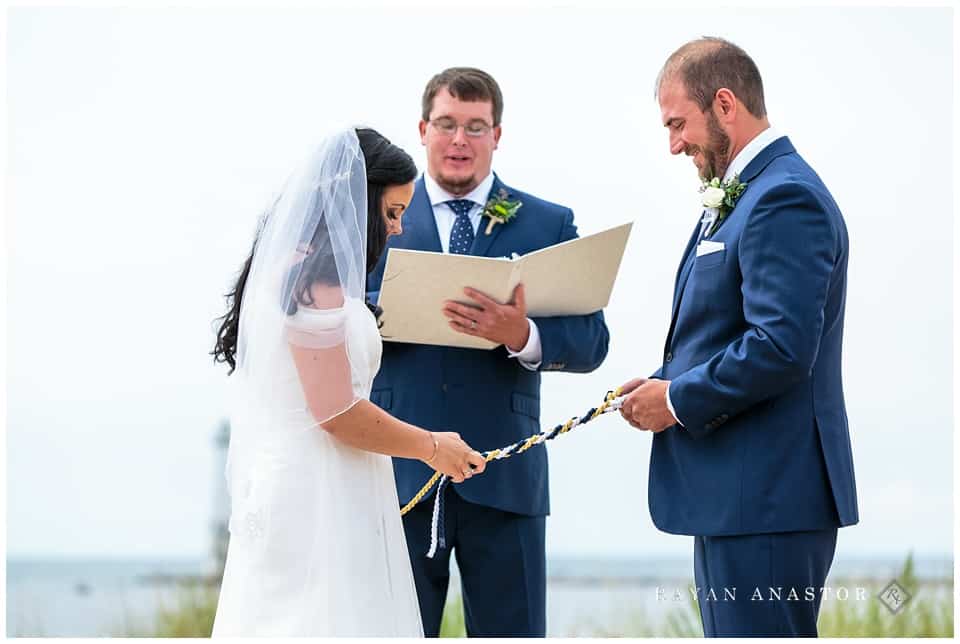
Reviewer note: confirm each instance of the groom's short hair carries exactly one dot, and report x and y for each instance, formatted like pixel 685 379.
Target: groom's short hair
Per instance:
pixel 708 64
pixel 466 84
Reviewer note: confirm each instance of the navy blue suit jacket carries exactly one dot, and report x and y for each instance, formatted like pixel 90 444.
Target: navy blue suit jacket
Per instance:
pixel 490 399
pixel 753 353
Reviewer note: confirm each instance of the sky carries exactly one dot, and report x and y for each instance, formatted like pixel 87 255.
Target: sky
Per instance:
pixel 143 145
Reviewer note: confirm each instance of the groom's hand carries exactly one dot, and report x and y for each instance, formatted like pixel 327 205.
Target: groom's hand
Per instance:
pixel 646 405
pixel 501 323
pixel 631 385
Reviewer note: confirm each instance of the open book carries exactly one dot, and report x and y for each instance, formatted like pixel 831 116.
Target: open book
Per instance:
pixel 571 278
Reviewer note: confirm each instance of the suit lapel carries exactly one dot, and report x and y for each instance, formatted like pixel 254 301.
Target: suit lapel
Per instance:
pixel 777 148
pixel 684 271
pixel 421 223
pixel 482 241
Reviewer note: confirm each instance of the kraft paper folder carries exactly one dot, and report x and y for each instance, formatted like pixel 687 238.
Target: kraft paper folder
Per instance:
pixel 571 278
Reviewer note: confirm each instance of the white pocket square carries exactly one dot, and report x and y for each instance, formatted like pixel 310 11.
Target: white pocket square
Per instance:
pixel 707 247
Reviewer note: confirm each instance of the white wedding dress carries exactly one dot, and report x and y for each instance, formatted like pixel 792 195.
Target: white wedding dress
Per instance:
pixel 316 541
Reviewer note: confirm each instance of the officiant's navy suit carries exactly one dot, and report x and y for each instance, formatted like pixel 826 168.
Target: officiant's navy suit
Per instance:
pixel 491 400
pixel 761 472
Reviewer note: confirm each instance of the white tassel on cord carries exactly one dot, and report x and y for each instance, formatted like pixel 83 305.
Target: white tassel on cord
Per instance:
pixel 435 521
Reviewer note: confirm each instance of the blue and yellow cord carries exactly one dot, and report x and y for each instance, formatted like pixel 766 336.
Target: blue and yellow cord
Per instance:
pixel 611 402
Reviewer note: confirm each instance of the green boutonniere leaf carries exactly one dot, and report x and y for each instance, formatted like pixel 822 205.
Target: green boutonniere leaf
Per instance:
pixel 500 209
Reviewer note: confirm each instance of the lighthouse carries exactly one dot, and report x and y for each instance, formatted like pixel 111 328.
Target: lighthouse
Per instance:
pixel 221 498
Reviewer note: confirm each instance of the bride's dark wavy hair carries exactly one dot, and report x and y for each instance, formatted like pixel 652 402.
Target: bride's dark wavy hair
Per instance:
pixel 386 165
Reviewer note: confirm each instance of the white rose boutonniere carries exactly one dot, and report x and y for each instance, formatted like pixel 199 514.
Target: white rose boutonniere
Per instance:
pixel 722 196
pixel 713 197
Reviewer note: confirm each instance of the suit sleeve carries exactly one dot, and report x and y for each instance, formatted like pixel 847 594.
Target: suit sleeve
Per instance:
pixel 788 250
pixel 576 343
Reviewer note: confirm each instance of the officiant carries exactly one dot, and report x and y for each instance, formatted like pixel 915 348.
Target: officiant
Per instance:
pixel 495 523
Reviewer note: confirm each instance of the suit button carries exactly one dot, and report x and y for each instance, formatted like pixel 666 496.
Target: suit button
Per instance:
pixel 444 387
pixel 723 418
pixel 669 357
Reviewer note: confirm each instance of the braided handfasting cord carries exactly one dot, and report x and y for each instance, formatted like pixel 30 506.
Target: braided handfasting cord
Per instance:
pixel 611 402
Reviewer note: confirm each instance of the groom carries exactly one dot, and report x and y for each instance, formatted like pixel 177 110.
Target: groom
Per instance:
pixel 751 453
pixel 495 522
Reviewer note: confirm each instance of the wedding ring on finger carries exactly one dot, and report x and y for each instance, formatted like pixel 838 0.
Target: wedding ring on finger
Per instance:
pixel 473 325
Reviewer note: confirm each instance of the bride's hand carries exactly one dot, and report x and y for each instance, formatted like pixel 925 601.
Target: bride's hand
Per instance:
pixel 454 457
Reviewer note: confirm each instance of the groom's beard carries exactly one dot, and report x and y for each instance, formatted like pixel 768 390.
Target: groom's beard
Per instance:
pixel 457 187
pixel 716 153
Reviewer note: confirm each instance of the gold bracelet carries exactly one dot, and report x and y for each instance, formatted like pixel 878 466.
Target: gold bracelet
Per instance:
pixel 436 449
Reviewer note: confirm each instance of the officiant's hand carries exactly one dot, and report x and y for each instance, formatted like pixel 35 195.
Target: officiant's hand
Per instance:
pixel 501 323
pixel 646 404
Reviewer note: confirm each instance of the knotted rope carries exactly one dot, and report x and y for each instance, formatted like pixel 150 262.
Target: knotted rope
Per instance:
pixel 611 402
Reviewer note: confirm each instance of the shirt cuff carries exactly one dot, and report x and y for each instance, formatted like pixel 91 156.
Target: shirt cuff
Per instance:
pixel 670 407
pixel 531 355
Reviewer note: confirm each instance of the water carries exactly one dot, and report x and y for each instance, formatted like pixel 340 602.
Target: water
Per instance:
pixel 96 598
pixel 89 598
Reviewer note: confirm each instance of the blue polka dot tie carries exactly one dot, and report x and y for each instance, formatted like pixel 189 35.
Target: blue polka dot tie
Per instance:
pixel 461 237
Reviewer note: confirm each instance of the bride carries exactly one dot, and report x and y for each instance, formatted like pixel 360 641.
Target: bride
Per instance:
pixel 316 542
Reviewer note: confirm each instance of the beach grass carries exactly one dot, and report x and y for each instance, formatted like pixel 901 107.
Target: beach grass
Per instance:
pixel 453 623
pixel 189 614
pixel 929 613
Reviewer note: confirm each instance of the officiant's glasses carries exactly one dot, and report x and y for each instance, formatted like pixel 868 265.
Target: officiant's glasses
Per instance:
pixel 448 127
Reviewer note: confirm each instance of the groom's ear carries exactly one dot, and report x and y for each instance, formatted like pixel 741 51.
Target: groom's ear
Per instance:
pixel 423 132
pixel 496 136
pixel 725 105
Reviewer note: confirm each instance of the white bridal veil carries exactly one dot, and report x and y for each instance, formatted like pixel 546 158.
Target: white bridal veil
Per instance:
pixel 316 542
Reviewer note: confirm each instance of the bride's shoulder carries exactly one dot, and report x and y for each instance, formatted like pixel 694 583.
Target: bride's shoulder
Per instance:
pixel 324 297
pixel 321 318
pixel 322 309
pixel 325 305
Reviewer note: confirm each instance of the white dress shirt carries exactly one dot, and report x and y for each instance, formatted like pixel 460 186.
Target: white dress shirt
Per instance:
pixel 750 151
pixel 743 158
pixel 531 355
